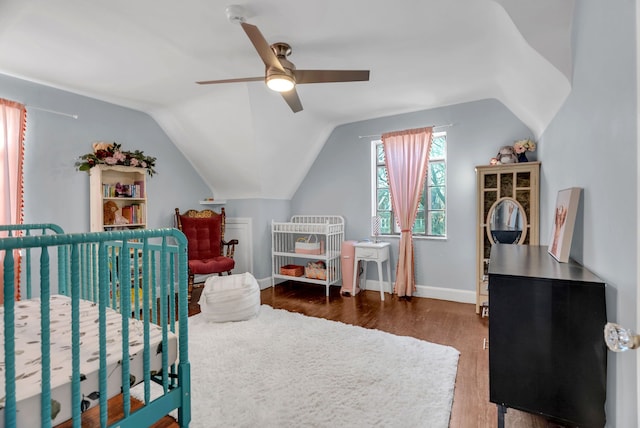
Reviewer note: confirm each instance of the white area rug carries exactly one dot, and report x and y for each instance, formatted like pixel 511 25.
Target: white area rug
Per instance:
pixel 284 369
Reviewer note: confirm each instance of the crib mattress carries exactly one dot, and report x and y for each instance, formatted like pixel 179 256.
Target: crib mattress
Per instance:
pixel 28 362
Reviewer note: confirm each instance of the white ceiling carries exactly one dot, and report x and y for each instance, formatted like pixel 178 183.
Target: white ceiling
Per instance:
pixel 241 137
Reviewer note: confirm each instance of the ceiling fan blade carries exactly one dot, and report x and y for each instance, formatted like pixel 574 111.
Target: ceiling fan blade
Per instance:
pixel 264 50
pixel 291 97
pixel 242 79
pixel 328 76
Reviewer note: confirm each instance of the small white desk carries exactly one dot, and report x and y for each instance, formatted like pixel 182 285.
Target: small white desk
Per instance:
pixel 372 252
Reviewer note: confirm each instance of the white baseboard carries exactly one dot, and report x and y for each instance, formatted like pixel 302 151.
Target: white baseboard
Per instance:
pixel 264 283
pixel 450 294
pixel 453 295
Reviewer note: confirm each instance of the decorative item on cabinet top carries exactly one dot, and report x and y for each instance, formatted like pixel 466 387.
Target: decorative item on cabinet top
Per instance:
pixel 515 153
pixel 108 153
pixel 521 148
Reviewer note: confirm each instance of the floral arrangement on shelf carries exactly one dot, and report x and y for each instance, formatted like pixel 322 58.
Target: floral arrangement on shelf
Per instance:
pixel 112 154
pixel 522 146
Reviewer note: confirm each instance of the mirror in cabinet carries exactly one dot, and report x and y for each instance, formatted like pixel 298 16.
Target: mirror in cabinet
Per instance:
pixel 506 222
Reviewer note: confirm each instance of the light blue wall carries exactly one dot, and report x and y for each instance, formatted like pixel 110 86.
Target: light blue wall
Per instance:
pixel 339 182
pixel 591 143
pixel 56 192
pixel 261 212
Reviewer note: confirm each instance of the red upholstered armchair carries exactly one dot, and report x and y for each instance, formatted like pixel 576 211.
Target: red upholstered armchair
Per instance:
pixel 208 252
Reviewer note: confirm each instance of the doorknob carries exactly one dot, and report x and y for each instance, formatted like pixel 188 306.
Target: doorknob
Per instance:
pixel 620 339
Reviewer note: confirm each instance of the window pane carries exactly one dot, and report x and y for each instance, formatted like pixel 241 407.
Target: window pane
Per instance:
pixel 385 222
pixel 384 201
pixel 437 224
pixel 419 227
pixel 437 198
pixel 380 154
pixel 383 177
pixel 421 203
pixel 437 174
pixel 438 147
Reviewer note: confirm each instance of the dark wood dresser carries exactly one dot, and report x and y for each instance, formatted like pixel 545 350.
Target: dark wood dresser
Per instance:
pixel 546 349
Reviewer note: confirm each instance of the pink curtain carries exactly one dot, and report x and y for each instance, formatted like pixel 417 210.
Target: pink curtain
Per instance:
pixel 13 121
pixel 407 159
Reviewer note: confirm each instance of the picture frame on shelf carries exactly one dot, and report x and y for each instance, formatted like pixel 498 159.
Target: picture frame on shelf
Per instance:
pixel 564 218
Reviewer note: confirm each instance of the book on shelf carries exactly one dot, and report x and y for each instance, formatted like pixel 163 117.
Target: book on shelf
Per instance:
pixel 127 212
pixel 134 213
pixel 119 190
pixel 140 188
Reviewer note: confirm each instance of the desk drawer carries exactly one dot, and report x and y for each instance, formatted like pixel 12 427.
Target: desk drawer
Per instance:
pixel 368 253
pixel 372 253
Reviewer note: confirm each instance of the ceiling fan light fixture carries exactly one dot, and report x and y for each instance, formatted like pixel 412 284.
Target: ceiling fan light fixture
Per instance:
pixel 280 73
pixel 280 82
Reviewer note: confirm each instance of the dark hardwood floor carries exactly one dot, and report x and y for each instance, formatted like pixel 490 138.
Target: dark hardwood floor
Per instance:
pixel 437 321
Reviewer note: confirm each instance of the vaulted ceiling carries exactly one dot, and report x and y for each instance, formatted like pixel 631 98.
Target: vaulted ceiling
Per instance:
pixel 241 137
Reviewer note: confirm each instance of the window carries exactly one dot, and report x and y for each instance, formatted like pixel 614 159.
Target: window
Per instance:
pixel 431 219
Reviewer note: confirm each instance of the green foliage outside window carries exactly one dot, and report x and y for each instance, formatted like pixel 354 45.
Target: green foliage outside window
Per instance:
pixel 432 208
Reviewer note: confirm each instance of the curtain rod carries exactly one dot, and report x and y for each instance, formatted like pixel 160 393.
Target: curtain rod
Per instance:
pixel 75 116
pixel 448 125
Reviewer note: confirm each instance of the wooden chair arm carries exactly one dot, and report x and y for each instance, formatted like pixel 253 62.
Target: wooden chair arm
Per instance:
pixel 230 247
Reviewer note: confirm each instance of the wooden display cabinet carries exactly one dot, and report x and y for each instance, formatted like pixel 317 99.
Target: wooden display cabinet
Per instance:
pixel 507 212
pixel 124 186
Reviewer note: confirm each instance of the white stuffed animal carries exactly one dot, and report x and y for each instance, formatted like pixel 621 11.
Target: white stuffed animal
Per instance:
pixel 507 154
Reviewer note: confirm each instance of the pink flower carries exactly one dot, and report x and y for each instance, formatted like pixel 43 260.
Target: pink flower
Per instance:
pixel 134 162
pixel 110 160
pixel 519 148
pixel 119 156
pixel 522 146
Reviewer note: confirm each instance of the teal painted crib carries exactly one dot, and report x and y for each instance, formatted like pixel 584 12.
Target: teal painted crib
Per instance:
pixel 130 285
pixel 9 230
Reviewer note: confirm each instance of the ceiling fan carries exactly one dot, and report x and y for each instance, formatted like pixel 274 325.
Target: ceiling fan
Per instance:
pixel 281 74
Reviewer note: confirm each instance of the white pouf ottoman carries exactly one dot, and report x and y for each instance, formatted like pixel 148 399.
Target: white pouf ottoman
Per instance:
pixel 230 298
